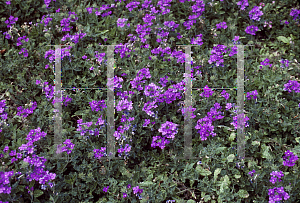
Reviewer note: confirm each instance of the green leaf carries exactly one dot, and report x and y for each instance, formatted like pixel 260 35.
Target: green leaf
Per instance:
pixel 216 173
pixel 191 201
pixel 202 171
pixel 283 39
pixel 38 193
pixel 146 183
pixel 232 137
pixel 206 198
pixel 230 158
pixel 243 193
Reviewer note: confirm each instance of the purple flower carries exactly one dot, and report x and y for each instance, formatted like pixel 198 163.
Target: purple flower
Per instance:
pixel 295 13
pixel 207 92
pixel 221 25
pixel 251 172
pixel 243 4
pixel 255 13
pixel 251 29
pixel 7 2
pixel 121 22
pixel 289 162
pixel 89 9
pixel 124 195
pixel 105 189
pixel 11 21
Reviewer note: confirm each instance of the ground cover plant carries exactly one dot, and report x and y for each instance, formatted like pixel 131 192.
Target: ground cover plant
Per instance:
pixel 149 85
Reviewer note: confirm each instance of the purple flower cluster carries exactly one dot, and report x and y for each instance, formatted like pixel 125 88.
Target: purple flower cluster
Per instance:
pixel 254 93
pixel 36 164
pixel 98 106
pixel 281 193
pixel 198 40
pixel 285 63
pixel 136 190
pixel 207 92
pixel 126 149
pixel 198 9
pixel 221 25
pixel 295 13
pixel 12 20
pixel 243 4
pixel 168 130
pixel 46 19
pixel 69 146
pixel 185 111
pixel 98 153
pixel 24 51
pixel 74 38
pixel 225 94
pixel 105 189
pixel 7 36
pixel 124 104
pixel 117 81
pixel 292 85
pixel 4 182
pixel 235 120
pixel 152 90
pixel 252 172
pixel 19 43
pixel 2 113
pixel 99 56
pixel 217 55
pixel 80 126
pixel 255 13
pixel 265 63
pixel 289 158
pixel 205 129
pixel 251 29
pixel 132 5
pixel 121 22
pixel 65 24
pixel 47 2
pixel 276 176
pixel 26 112
pixel 51 53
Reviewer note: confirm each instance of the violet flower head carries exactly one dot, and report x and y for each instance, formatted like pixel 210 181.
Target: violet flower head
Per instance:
pixel 121 22
pixel 243 4
pixel 295 13
pixel 105 189
pixel 12 20
pixel 289 158
pixel 221 25
pixel 255 13
pixel 252 172
pixel 251 29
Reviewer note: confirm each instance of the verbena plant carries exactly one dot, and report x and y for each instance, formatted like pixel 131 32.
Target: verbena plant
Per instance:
pixel 151 70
